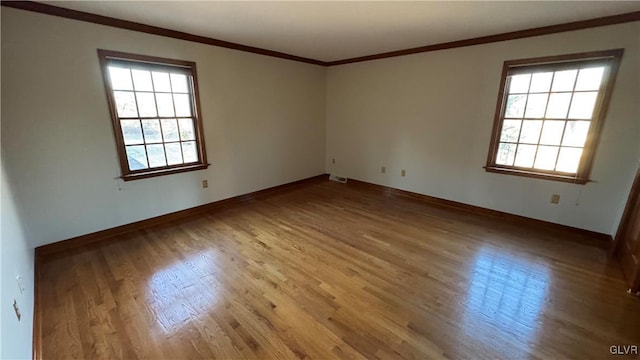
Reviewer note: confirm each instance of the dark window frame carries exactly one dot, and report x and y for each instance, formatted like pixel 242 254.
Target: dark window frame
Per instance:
pixel 511 67
pixel 151 62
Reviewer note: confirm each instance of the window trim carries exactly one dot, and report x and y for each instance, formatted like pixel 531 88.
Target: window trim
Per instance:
pixel 152 61
pixel 582 176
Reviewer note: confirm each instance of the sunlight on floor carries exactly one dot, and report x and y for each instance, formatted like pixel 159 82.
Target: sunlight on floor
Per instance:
pixel 506 296
pixel 176 297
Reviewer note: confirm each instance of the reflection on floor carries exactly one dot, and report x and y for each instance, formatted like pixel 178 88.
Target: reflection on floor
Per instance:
pixel 187 281
pixel 328 270
pixel 505 292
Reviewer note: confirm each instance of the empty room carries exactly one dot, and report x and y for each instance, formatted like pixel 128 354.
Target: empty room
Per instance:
pixel 320 180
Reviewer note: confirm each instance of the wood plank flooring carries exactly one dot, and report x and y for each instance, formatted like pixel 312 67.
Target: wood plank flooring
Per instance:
pixel 327 270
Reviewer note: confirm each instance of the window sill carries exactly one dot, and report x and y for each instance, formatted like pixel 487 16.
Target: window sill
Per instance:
pixel 161 172
pixel 537 175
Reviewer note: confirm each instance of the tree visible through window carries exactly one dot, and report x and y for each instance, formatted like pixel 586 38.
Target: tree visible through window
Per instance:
pixel 549 115
pixel 155 112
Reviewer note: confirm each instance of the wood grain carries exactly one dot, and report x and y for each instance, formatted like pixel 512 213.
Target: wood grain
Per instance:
pixel 594 238
pixel 327 270
pixel 107 234
pixel 627 243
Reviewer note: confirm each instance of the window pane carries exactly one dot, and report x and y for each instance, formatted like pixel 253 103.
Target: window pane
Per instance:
pixel 589 79
pixel 186 129
pixel 131 131
pixel 576 133
pixel 506 154
pixel 510 130
pixel 136 157
pixel 564 80
pixel 552 132
pixel 519 83
pixel 154 109
pixel 569 159
pixel 156 155
pixel 126 104
pixel 120 78
pixel 582 105
pixel 151 131
pixel 541 82
pixel 189 151
pixel 174 153
pixel 161 82
pixel 536 105
pixel 170 130
pixel 558 105
pixel 179 83
pixel 165 104
pixel 525 155
pixel 530 131
pixel 183 105
pixel 546 157
pixel 146 104
pixel 515 106
pixel 142 80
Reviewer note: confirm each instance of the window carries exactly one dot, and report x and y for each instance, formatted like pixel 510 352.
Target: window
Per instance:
pixel 549 114
pixel 155 114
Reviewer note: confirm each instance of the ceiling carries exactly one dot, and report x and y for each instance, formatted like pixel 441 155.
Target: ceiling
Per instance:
pixel 336 30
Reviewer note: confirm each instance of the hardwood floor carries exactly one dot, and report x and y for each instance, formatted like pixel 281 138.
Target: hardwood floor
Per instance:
pixel 327 270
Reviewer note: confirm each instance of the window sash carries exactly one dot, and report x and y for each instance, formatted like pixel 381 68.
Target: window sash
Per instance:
pixel 152 64
pixel 567 65
pixel 607 59
pixel 149 66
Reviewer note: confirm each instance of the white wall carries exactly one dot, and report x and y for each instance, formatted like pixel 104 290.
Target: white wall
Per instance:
pixel 264 121
pixel 264 124
pixel 432 114
pixel 16 258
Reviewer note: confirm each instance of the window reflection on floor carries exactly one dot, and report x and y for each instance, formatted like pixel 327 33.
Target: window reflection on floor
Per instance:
pixel 505 298
pixel 183 291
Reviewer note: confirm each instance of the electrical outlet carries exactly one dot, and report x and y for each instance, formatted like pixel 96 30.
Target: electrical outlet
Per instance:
pixel 403 172
pixel 16 309
pixel 205 184
pixel 333 161
pixel 383 169
pixel 555 198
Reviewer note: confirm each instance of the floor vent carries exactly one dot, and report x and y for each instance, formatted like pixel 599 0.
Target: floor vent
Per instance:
pixel 339 179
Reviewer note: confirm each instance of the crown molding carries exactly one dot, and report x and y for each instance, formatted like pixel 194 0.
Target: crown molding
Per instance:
pixel 155 30
pixel 149 29
pixel 545 30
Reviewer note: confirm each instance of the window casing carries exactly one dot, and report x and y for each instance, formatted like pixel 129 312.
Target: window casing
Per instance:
pixel 155 114
pixel 549 115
